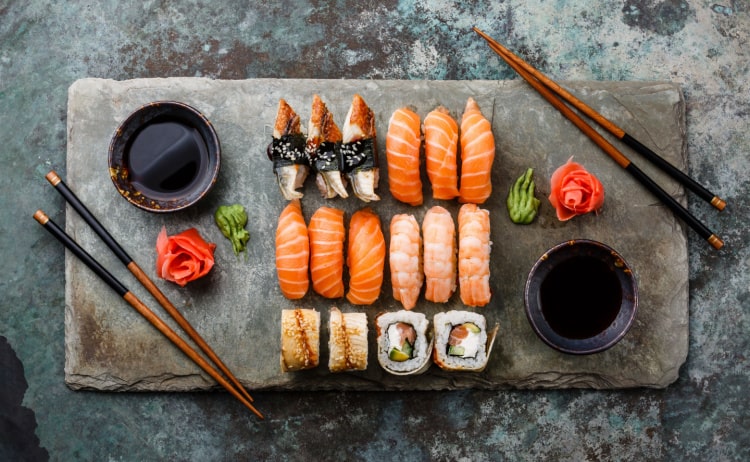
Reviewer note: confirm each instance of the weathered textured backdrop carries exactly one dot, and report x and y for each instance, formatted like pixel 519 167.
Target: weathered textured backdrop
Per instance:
pixel 703 46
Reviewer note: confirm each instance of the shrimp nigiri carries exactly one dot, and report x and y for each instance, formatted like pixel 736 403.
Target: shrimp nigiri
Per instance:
pixel 405 260
pixel 439 237
pixel 323 148
pixel 402 145
pixel 327 235
pixel 360 155
pixel 292 252
pixel 287 151
pixel 477 155
pixel 365 257
pixel 440 148
pixel 474 255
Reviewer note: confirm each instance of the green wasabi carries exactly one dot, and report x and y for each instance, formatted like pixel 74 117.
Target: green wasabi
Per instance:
pixel 231 220
pixel 522 205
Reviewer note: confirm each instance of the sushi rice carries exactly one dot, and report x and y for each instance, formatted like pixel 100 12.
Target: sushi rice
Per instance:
pixel 420 355
pixel 444 324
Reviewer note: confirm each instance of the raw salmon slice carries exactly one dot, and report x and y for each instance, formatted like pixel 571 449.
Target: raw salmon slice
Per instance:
pixel 440 148
pixel 292 252
pixel 402 145
pixel 327 252
pixel 365 257
pixel 477 155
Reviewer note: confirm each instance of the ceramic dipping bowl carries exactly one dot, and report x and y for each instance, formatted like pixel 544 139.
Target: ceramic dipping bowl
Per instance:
pixel 164 157
pixel 581 297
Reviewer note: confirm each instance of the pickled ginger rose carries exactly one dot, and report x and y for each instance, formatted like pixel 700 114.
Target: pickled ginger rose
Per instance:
pixel 575 191
pixel 183 257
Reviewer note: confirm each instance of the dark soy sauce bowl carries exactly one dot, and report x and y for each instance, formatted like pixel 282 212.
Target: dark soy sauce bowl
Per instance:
pixel 164 157
pixel 581 297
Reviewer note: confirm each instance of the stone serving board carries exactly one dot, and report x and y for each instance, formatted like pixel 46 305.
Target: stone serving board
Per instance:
pixel 237 306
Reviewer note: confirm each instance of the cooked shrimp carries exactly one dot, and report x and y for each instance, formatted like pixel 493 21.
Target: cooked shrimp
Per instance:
pixel 405 260
pixel 439 236
pixel 474 255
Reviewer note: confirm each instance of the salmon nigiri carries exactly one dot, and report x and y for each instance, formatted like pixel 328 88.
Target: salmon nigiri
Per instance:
pixel 474 255
pixel 327 252
pixel 402 145
pixel 292 252
pixel 440 148
pixel 323 148
pixel 405 260
pixel 439 237
pixel 477 155
pixel 365 257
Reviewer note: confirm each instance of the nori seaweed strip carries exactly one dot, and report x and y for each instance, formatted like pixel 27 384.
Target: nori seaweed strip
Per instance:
pixel 359 155
pixel 328 157
pixel 288 150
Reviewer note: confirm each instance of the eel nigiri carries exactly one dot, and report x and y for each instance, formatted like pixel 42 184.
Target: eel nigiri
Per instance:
pixel 405 260
pixel 439 237
pixel 365 257
pixel 440 150
pixel 402 145
pixel 287 151
pixel 327 235
pixel 477 155
pixel 360 155
pixel 474 255
pixel 292 252
pixel 324 150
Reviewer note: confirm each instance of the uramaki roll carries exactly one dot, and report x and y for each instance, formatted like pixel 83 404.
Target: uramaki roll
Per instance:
pixel 462 342
pixel 404 343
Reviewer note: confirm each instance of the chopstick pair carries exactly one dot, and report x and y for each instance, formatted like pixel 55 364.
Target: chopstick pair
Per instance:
pixel 235 388
pixel 550 90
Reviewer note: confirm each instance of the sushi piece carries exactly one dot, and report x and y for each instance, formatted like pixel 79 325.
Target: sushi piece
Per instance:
pixel 474 255
pixel 359 153
pixel 324 150
pixel 365 257
pixel 477 155
pixel 462 342
pixel 440 150
pixel 287 151
pixel 292 252
pixel 404 344
pixel 405 260
pixel 326 231
pixel 439 237
pixel 402 145
pixel 347 342
pixel 300 339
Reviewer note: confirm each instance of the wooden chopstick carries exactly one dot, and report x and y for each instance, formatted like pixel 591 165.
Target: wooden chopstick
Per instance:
pixel 55 180
pixel 607 124
pixel 609 149
pixel 139 306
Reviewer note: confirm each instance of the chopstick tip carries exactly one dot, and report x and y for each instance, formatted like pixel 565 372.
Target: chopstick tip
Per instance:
pixel 53 178
pixel 718 202
pixel 715 241
pixel 41 217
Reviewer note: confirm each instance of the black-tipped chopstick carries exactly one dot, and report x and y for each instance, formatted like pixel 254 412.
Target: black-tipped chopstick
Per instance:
pixel 608 148
pixel 55 180
pixel 608 125
pixel 139 306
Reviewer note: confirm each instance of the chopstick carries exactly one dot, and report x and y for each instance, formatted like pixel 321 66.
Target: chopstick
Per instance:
pixel 608 125
pixel 55 180
pixel 607 147
pixel 139 306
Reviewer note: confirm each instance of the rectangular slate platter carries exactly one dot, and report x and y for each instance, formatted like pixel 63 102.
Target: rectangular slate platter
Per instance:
pixel 237 306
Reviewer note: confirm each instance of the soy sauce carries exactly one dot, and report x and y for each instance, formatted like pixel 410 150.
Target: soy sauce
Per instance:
pixel 166 158
pixel 580 297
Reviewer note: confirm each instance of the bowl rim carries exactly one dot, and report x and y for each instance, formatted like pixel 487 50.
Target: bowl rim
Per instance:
pixel 609 336
pixel 132 124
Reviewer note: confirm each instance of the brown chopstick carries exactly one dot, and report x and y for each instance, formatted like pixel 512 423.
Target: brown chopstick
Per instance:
pixel 607 124
pixel 139 306
pixel 608 148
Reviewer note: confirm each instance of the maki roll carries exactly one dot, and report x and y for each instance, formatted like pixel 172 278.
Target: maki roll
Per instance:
pixel 348 341
pixel 462 342
pixel 403 343
pixel 300 339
